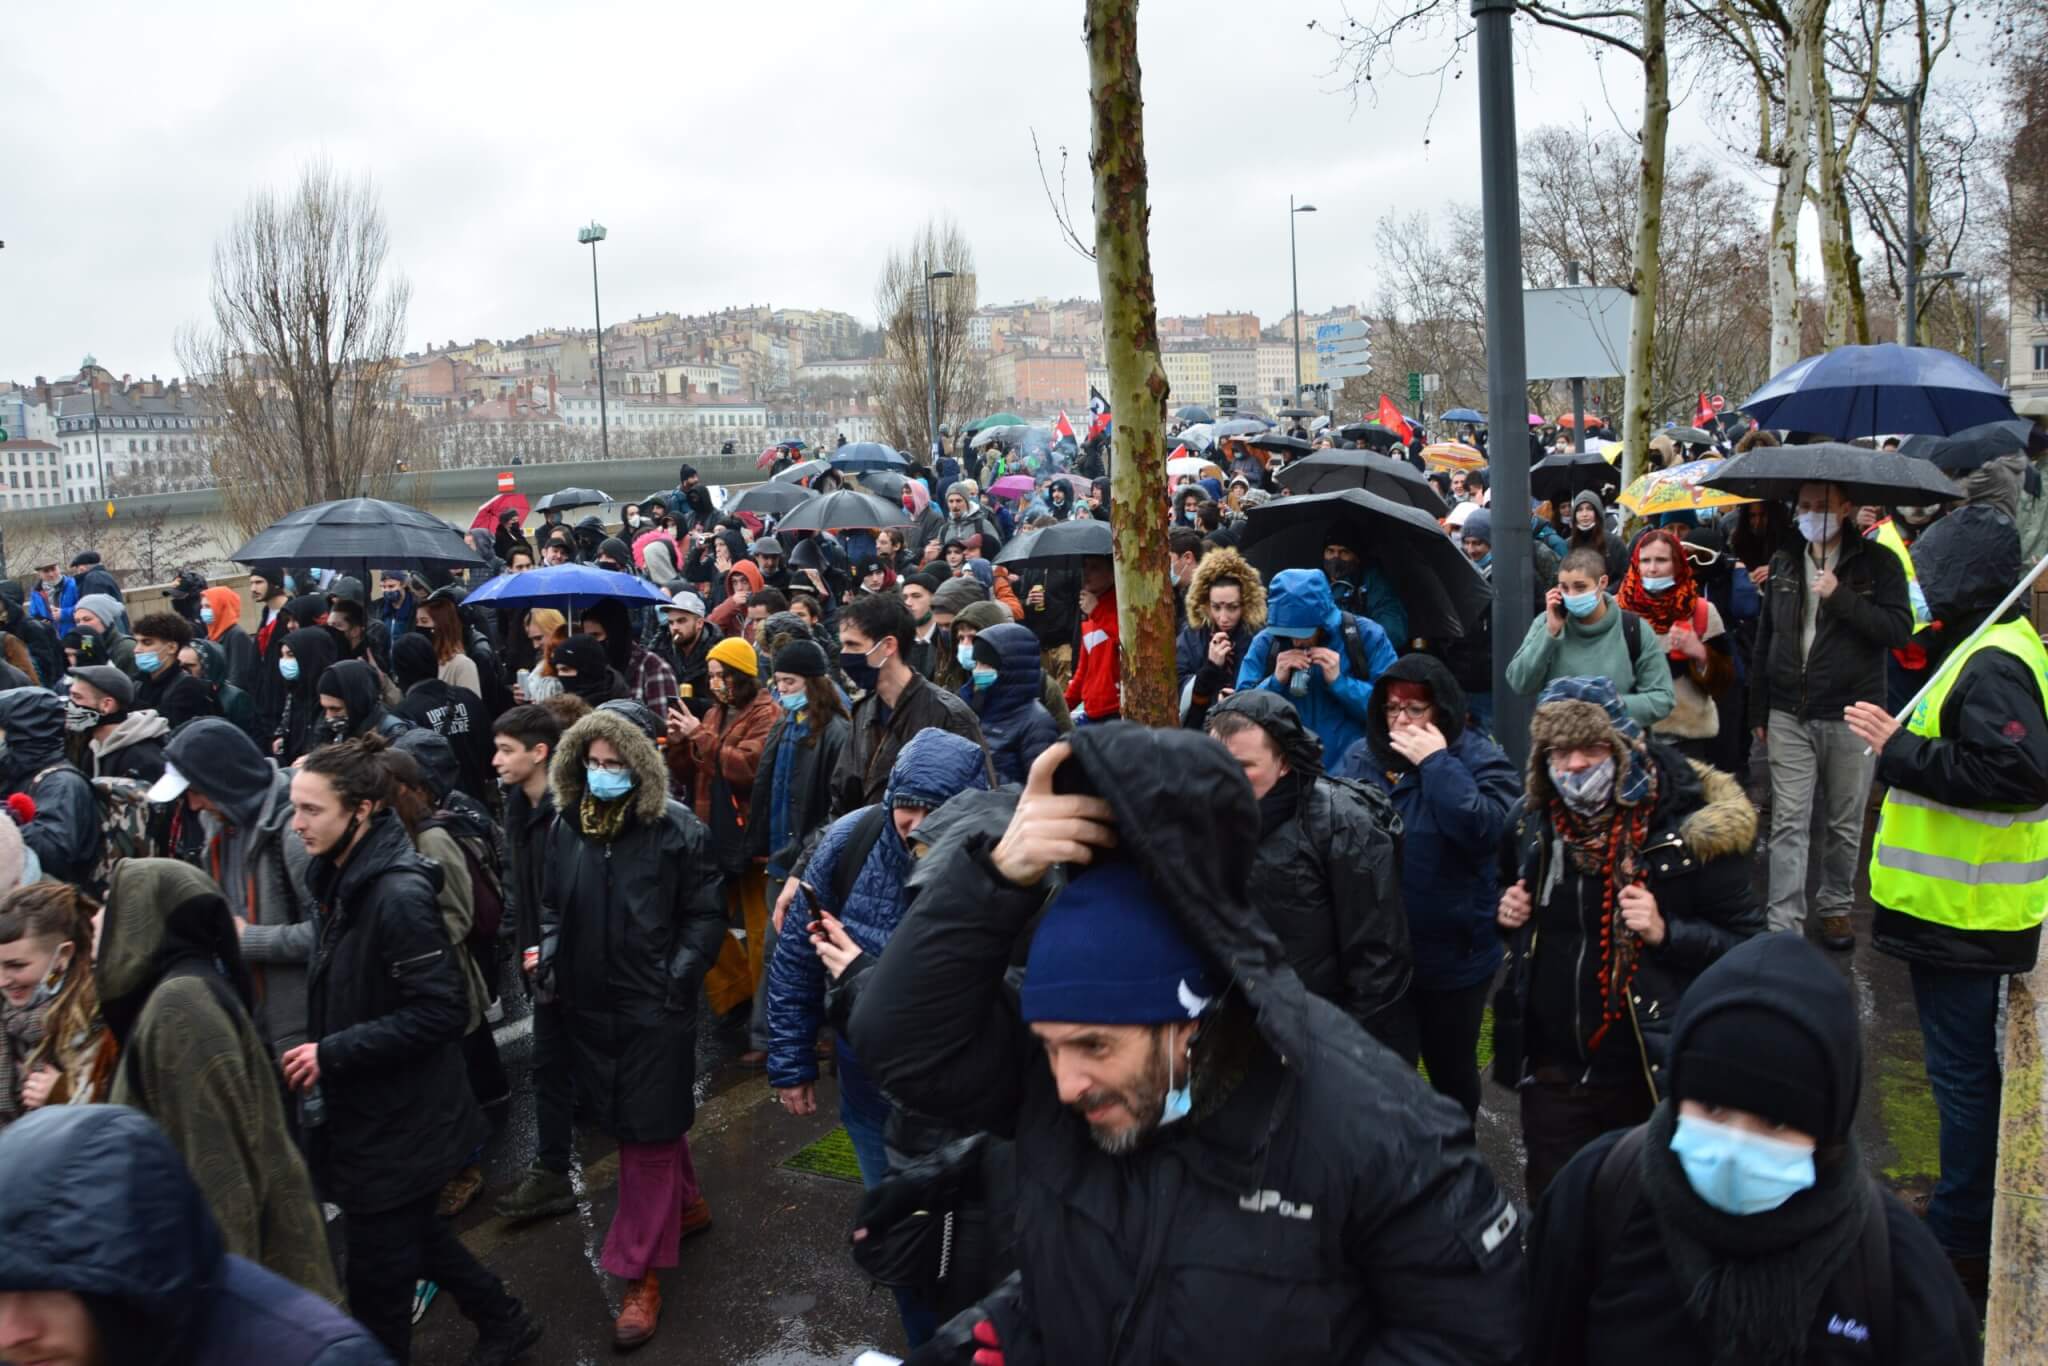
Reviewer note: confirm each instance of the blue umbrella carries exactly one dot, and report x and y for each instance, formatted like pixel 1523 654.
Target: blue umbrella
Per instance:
pixel 1463 415
pixel 1855 391
pixel 868 455
pixel 573 585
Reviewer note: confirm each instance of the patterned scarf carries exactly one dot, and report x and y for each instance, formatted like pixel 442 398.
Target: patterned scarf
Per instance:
pixel 1606 846
pixel 1670 607
pixel 602 821
pixel 23 1031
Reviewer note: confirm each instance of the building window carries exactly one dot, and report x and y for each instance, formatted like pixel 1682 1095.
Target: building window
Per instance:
pixel 2041 355
pixel 2041 307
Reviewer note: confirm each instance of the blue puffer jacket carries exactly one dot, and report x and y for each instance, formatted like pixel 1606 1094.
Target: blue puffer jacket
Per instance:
pixel 933 767
pixel 1015 723
pixel 1454 809
pixel 1298 604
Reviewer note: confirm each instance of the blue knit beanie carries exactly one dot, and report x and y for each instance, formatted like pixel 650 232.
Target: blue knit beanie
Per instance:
pixel 1109 952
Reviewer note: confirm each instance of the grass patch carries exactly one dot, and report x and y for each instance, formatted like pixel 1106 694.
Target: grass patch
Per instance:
pixel 1911 1122
pixel 831 1156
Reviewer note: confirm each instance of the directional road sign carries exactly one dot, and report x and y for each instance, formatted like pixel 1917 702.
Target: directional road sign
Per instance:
pixel 1334 332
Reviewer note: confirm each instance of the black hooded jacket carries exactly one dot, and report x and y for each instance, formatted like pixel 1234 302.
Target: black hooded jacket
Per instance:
pixel 358 686
pixel 302 723
pixel 65 833
pixel 99 1204
pixel 1321 1204
pixel 39 636
pixel 454 713
pixel 1604 1291
pixel 1327 877
pixel 387 1003
pixel 1992 754
pixel 175 695
pixel 1868 615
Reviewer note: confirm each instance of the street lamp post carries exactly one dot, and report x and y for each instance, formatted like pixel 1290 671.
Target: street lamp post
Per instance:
pixel 931 355
pixel 593 235
pixel 1294 274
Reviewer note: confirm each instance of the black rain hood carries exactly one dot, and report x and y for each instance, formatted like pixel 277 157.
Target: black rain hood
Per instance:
pixel 32 719
pixel 610 613
pixel 98 1203
pixel 1301 747
pixel 1967 562
pixel 1433 674
pixel 224 766
pixel 355 683
pixel 1784 975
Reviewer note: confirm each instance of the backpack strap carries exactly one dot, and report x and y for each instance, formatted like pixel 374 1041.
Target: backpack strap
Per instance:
pixel 1354 648
pixel 855 852
pixel 1631 636
pixel 1616 1187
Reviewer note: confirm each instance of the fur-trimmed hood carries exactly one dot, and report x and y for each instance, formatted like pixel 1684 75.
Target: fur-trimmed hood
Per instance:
pixel 650 775
pixel 1725 822
pixel 1225 563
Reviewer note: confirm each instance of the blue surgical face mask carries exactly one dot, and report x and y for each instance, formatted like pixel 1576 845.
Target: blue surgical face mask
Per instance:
pixel 206 616
pixel 792 701
pixel 964 652
pixel 1179 1099
pixel 1659 583
pixel 984 677
pixel 289 668
pixel 1738 1172
pixel 1581 605
pixel 149 661
pixel 606 785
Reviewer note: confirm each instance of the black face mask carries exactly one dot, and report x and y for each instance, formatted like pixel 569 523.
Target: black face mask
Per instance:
pixel 858 671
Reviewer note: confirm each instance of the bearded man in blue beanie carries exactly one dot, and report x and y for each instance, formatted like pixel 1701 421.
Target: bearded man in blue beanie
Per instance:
pixel 1210 1163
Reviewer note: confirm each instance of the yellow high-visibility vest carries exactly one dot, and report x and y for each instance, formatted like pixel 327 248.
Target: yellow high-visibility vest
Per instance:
pixel 1952 865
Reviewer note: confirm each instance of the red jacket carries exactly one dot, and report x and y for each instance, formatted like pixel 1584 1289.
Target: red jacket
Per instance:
pixel 1097 671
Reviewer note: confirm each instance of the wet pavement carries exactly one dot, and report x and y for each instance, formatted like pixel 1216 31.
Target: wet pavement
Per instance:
pixel 771 1283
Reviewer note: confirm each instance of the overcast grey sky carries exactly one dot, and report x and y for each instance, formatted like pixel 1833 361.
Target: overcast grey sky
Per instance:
pixel 739 153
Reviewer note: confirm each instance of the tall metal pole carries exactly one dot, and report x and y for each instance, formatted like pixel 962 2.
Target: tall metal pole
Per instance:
pixel 1571 277
pixel 1507 388
pixel 931 357
pixel 1912 320
pixel 1977 317
pixel 1294 274
pixel 604 430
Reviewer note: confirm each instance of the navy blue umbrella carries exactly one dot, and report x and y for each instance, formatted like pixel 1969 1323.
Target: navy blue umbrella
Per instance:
pixel 574 585
pixel 1856 391
pixel 868 455
pixel 1463 415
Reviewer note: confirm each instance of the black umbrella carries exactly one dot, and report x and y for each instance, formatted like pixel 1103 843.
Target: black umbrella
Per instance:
pixel 1280 441
pixel 1562 476
pixel 1297 412
pixel 867 455
pixel 1691 436
pixel 1194 412
pixel 561 500
pixel 884 483
pixel 1371 433
pixel 1886 478
pixel 772 499
pixel 1061 545
pixel 1329 471
pixel 842 509
pixel 1445 594
pixel 356 533
pixel 1971 447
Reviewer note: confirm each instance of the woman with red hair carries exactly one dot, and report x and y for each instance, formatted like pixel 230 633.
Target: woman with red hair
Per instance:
pixel 1660 588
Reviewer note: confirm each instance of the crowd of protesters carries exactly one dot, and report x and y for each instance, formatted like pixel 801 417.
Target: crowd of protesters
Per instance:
pixel 278 858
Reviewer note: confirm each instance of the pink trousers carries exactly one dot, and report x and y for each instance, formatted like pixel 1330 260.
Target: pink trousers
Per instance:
pixel 657 1182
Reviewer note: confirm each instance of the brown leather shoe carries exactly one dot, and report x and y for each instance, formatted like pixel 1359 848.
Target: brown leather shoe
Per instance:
pixel 697 1218
pixel 640 1315
pixel 460 1190
pixel 1836 932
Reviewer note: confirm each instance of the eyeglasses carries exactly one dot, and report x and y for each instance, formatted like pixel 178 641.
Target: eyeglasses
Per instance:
pixel 610 765
pixel 1414 711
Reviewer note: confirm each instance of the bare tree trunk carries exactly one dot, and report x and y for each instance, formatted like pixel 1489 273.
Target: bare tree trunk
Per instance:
pixel 1847 321
pixel 1794 161
pixel 1648 256
pixel 1137 381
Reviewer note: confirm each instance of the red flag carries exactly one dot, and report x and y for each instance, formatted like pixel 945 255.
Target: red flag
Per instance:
pixel 1703 415
pixel 1063 428
pixel 1390 417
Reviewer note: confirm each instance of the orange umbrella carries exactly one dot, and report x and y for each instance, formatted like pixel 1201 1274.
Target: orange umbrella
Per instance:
pixel 1453 455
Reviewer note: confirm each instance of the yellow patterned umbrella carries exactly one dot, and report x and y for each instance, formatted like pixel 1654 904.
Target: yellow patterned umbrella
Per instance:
pixel 1453 455
pixel 1682 488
